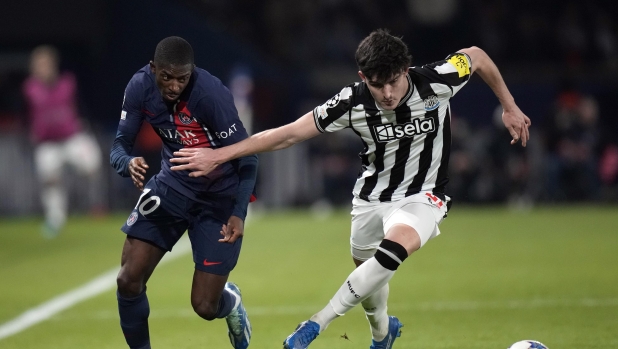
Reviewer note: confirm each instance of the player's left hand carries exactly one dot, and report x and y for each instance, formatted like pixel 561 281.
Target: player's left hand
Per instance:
pixel 200 161
pixel 234 229
pixel 137 170
pixel 517 123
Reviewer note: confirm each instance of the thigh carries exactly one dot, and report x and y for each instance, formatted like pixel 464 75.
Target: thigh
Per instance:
pixel 83 153
pixel 159 216
pixel 367 229
pixel 49 159
pixel 210 255
pixel 420 216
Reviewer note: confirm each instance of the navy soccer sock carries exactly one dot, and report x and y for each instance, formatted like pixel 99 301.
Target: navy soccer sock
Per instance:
pixel 134 320
pixel 226 304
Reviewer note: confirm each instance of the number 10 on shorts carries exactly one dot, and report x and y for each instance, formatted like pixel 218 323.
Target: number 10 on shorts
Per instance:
pixel 143 204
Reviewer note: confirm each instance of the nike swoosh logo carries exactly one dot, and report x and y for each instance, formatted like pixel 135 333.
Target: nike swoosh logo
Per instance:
pixel 207 263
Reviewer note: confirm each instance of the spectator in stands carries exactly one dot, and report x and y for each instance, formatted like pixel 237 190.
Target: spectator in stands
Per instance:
pixel 57 133
pixel 572 137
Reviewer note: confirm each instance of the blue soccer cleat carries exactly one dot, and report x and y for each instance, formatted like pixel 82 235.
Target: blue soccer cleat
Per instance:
pixel 239 327
pixel 304 334
pixel 394 331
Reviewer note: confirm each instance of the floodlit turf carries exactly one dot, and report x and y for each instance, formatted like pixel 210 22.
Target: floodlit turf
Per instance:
pixel 492 278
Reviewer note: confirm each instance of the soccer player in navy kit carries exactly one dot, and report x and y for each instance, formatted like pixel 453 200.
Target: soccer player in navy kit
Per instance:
pixel 187 107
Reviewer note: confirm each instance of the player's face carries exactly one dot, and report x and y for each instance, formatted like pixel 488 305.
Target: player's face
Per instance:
pixel 388 93
pixel 171 79
pixel 44 67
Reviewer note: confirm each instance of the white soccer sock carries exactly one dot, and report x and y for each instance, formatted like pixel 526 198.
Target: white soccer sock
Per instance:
pixel 368 278
pixel 376 312
pixel 54 200
pixel 324 317
pixel 364 281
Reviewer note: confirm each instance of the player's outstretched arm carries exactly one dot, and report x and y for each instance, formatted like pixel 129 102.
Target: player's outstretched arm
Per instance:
pixel 201 161
pixel 514 119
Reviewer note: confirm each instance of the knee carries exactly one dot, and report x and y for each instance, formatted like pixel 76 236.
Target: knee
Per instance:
pixel 206 310
pixel 391 254
pixel 406 236
pixel 129 286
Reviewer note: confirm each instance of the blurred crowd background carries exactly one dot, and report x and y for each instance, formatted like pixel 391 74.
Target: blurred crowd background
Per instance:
pixel 282 58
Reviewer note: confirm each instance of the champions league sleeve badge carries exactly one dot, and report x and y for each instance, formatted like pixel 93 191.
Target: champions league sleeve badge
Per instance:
pixel 331 103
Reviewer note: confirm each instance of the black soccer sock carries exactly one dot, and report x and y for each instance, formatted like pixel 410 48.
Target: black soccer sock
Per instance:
pixel 226 304
pixel 134 320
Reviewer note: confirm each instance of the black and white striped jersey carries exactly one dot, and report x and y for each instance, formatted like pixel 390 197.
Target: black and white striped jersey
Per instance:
pixel 406 150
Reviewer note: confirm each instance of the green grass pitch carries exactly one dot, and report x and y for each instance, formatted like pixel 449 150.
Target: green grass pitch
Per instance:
pixel 492 278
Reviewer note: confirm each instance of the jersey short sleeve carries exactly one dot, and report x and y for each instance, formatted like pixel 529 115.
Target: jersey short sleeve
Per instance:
pixel 333 115
pixel 454 70
pixel 131 117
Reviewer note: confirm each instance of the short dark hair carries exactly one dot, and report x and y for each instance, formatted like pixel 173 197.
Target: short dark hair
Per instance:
pixel 173 50
pixel 382 55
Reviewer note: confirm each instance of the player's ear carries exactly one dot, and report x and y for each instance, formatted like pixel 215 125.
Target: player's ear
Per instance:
pixel 362 76
pixel 152 67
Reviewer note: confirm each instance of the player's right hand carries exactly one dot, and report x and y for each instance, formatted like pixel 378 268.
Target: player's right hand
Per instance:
pixel 137 170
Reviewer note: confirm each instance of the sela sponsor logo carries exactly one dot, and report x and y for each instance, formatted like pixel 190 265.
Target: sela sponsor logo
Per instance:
pixel 184 118
pixel 356 295
pixel 390 132
pixel 184 137
pixel 225 134
pixel 132 219
pixel 431 102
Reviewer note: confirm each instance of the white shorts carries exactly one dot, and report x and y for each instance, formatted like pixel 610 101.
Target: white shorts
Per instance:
pixel 370 221
pixel 80 151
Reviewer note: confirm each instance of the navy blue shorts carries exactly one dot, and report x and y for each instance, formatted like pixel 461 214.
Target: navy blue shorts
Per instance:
pixel 162 215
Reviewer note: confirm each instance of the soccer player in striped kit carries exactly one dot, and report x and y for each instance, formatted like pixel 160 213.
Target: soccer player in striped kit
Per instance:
pixel 187 107
pixel 402 115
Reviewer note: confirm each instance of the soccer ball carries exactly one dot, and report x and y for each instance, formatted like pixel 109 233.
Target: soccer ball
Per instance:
pixel 528 344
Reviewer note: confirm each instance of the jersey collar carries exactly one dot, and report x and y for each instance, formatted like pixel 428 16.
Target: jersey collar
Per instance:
pixel 410 90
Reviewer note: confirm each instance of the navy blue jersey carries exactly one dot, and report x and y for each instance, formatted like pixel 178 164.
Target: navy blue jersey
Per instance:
pixel 203 116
